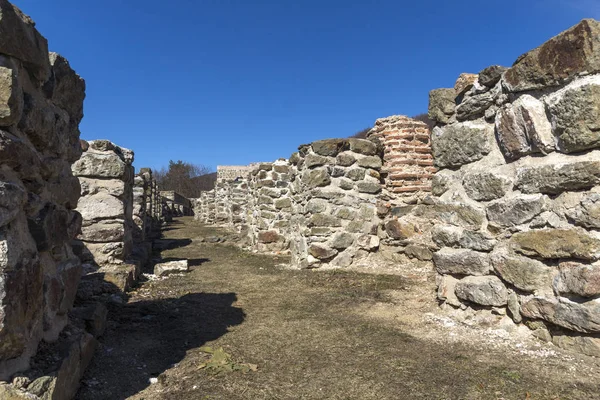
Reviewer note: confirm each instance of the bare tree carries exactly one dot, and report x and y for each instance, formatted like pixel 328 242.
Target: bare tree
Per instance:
pixel 182 177
pixel 362 134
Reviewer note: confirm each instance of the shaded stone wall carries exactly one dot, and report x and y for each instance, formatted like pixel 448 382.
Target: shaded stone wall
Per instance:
pixel 105 243
pixel 146 223
pixel 41 105
pixel 175 205
pixel 518 192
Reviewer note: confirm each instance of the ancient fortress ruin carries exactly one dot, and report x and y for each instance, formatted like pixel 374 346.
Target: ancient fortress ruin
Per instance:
pixel 501 199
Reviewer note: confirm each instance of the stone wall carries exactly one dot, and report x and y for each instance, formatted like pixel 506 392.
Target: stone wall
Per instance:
pixel 270 205
pixel 175 205
pixel 41 105
pixel 335 193
pixel 519 157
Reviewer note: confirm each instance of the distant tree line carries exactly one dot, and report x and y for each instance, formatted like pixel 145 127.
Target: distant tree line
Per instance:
pixel 185 178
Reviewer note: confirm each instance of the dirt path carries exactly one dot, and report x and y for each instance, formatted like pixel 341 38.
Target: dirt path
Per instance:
pixel 313 335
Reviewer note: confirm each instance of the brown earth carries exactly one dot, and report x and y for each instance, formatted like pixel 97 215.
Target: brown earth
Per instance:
pixel 312 335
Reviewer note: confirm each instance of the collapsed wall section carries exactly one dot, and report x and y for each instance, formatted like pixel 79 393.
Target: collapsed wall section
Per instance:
pixel 41 106
pixel 519 157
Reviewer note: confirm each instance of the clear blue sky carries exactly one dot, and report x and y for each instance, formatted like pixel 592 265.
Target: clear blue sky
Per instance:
pixel 236 81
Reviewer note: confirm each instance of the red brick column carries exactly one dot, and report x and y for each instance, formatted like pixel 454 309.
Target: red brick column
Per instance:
pixel 408 161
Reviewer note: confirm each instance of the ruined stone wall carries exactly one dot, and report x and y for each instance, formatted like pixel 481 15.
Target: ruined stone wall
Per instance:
pixel 204 207
pixel 335 191
pixel 41 105
pixel 270 206
pixel 105 243
pixel 518 192
pixel 175 205
pixel 146 224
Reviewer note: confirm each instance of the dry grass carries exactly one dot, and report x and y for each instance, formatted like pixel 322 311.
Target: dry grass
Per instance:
pixel 303 331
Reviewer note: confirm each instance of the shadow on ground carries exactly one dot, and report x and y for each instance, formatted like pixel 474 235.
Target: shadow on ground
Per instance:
pixel 145 338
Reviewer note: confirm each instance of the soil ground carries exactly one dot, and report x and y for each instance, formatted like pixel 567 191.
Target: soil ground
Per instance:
pixel 312 335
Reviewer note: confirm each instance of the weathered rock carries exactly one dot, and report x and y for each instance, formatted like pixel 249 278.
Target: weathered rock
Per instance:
pixel 557 243
pixel 523 128
pixel 105 165
pixel 419 252
pixel 559 60
pixel 342 240
pixel 321 251
pixel 101 206
pixel 370 162
pixel 522 272
pixel 368 242
pixel 514 307
pixel 324 220
pixel 104 231
pixel 22 41
pixel 587 213
pixel 356 174
pixel 475 105
pixel 11 97
pixel 464 82
pixel 316 178
pixel 368 187
pixel 563 175
pixel 446 285
pixel 515 210
pixel 171 267
pixel 461 143
pixel 490 76
pixel 330 147
pixel 475 240
pixel 461 262
pixel 483 290
pixel 398 229
pixel 589 345
pixel 269 236
pixel 345 159
pixel 314 160
pixel 580 317
pixel 578 280
pixel 442 105
pixel 575 114
pixel 485 186
pixel 362 146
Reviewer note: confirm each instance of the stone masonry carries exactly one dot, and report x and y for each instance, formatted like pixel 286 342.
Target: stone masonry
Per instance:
pixel 105 243
pixel 519 156
pixel 41 106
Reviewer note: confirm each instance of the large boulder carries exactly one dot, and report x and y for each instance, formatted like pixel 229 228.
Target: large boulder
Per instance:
pixel 442 105
pixel 523 128
pixel 558 174
pixel 461 262
pixel 575 114
pixel 559 60
pixel 557 243
pixel 20 39
pixel 483 290
pixel 461 143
